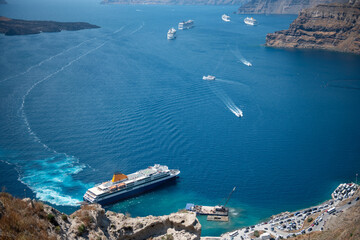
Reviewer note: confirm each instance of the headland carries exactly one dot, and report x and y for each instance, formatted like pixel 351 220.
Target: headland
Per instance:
pixel 334 27
pixel 11 27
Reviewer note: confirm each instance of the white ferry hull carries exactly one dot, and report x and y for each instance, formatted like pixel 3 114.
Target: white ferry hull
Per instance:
pixel 134 191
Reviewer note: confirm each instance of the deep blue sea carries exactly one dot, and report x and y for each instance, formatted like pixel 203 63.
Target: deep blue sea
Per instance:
pixel 77 106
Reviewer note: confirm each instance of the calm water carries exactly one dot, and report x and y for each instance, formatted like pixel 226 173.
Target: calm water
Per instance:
pixel 76 106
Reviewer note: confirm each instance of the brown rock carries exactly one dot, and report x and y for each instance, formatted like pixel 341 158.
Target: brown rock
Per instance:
pixel 329 26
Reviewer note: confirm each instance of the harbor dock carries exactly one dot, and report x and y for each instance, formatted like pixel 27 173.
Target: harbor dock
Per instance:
pixel 207 210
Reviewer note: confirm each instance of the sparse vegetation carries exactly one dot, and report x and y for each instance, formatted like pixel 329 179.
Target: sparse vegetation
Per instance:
pixel 57 229
pixel 22 221
pixel 310 219
pixel 64 217
pixel 168 237
pixel 256 233
pixel 81 230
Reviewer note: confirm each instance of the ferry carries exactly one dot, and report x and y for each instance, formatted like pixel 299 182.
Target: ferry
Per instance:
pixel 225 18
pixel 125 186
pixel 209 77
pixel 171 34
pixel 250 21
pixel 186 25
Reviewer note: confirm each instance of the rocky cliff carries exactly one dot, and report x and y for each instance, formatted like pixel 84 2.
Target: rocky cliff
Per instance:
pixel 280 6
pixel 177 2
pixel 23 27
pixel 28 219
pixel 328 26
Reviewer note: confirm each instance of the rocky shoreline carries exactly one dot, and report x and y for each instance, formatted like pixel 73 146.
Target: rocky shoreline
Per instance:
pixel 12 27
pixel 337 218
pixel 175 2
pixel 334 27
pixel 280 6
pixel 29 219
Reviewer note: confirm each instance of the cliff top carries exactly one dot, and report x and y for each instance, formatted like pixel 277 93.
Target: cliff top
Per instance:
pixel 29 219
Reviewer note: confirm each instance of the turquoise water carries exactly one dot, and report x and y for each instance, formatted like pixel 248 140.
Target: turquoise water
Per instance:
pixel 76 106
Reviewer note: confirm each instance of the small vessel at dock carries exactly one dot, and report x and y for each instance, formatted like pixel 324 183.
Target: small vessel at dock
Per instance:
pixel 225 18
pixel 216 213
pixel 209 77
pixel 171 34
pixel 207 210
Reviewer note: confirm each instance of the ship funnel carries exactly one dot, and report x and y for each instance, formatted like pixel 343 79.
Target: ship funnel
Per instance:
pixel 118 177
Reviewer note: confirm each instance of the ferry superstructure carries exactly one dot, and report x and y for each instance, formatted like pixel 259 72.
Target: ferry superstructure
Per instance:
pixel 125 186
pixel 186 25
pixel 225 18
pixel 250 21
pixel 171 34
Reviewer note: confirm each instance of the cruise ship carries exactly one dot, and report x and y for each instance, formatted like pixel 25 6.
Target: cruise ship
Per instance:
pixel 186 25
pixel 125 186
pixel 225 18
pixel 250 21
pixel 171 34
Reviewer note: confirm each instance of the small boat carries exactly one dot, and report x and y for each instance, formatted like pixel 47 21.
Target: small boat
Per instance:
pixel 171 34
pixel 225 18
pixel 250 21
pixel 209 77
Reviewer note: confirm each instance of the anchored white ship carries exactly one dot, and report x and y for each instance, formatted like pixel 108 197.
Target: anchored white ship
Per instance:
pixel 124 186
pixel 171 34
pixel 209 77
pixel 250 21
pixel 186 25
pixel 225 18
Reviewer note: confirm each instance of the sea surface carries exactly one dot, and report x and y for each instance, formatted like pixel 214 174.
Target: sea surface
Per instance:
pixel 77 106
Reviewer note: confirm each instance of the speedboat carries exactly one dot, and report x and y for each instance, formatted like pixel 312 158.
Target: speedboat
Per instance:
pixel 209 77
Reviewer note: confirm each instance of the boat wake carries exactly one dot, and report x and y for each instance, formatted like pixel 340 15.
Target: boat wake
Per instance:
pixel 245 62
pixel 138 29
pixel 240 58
pixel 46 60
pixel 230 82
pixel 52 177
pixel 227 101
pixel 119 30
pixel 49 178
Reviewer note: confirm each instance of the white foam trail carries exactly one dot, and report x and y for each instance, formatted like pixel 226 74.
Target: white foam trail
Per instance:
pixel 138 29
pixel 230 82
pixel 245 62
pixel 240 58
pixel 120 29
pixel 228 102
pixel 23 114
pixel 44 61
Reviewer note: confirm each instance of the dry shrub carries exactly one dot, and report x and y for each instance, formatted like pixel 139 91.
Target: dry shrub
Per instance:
pixel 21 221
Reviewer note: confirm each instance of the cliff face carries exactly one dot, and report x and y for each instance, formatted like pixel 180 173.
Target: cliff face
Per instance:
pixel 332 27
pixel 23 27
pixel 280 6
pixel 28 219
pixel 177 2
